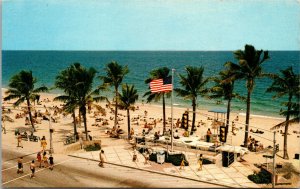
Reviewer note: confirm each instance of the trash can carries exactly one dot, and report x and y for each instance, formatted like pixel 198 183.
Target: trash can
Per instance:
pixel 160 157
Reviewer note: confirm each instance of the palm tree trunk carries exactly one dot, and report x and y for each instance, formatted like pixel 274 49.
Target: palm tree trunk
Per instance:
pixel 83 109
pixel 228 114
pixel 286 130
pixel 75 128
pixel 79 116
pixel 194 115
pixel 247 118
pixel 128 122
pixel 30 116
pixel 116 107
pixel 164 114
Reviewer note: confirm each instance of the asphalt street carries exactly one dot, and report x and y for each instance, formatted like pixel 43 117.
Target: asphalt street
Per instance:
pixel 74 172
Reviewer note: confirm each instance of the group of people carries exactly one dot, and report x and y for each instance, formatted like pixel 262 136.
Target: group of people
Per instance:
pixel 41 158
pixel 254 145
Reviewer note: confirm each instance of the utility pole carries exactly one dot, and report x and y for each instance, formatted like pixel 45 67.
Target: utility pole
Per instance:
pixel 274 154
pixel 172 110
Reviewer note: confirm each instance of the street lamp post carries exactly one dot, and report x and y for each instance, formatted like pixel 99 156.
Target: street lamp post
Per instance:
pixel 50 131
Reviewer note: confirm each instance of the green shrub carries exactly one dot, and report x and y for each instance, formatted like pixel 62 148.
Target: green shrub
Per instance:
pixel 94 147
pixel 176 159
pixel 263 177
pixel 206 161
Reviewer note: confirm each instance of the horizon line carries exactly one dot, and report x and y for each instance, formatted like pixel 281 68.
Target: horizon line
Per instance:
pixel 132 50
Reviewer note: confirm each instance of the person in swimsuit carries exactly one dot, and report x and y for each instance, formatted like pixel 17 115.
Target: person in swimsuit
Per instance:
pixel 20 165
pixel 51 162
pixel 32 168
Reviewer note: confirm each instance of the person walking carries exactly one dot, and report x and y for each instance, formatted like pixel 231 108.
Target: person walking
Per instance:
pixel 134 158
pixel 32 168
pixel 51 162
pixel 101 157
pixel 43 143
pixel 200 161
pixel 208 134
pixel 45 160
pixel 19 138
pixel 147 158
pixel 80 141
pixel 20 165
pixel 39 159
pixel 182 164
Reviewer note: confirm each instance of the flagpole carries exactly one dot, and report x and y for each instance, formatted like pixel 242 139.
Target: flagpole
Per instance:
pixel 172 110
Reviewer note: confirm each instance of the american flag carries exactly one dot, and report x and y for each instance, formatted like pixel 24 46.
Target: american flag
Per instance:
pixel 161 85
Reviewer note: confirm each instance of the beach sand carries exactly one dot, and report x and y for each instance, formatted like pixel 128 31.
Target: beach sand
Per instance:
pixel 64 127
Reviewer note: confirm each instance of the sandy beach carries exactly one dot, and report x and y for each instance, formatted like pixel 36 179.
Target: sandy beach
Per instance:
pixel 64 124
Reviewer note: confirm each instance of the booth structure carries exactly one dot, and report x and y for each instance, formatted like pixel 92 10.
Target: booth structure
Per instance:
pixel 231 153
pixel 216 112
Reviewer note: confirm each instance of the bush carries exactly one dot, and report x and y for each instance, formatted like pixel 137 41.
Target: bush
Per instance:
pixel 206 161
pixel 263 177
pixel 176 159
pixel 94 147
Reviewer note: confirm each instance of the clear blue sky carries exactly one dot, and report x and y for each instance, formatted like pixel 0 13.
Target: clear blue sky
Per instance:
pixel 150 25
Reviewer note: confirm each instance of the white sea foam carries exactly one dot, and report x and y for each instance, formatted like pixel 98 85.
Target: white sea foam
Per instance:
pixel 261 116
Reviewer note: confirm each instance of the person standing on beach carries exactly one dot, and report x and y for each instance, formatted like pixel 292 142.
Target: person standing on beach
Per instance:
pixel 208 134
pixel 19 140
pixel 101 157
pixel 20 165
pixel 32 168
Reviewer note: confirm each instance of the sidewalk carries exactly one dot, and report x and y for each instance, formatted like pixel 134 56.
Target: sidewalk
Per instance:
pixel 233 176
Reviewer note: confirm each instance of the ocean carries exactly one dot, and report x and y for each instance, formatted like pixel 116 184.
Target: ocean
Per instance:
pixel 45 65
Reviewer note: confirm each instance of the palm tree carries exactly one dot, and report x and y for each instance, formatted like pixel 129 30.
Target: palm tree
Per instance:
pixel 127 99
pixel 21 87
pixel 79 90
pixel 193 85
pixel 159 73
pixel 114 77
pixel 248 68
pixel 287 84
pixel 224 90
pixel 65 80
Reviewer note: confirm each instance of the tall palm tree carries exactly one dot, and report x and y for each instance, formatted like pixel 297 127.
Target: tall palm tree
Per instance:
pixel 193 85
pixel 114 77
pixel 224 90
pixel 159 73
pixel 79 90
pixel 21 87
pixel 127 99
pixel 286 84
pixel 249 68
pixel 66 81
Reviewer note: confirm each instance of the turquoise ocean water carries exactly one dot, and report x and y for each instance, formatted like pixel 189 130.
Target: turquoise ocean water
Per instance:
pixel 47 64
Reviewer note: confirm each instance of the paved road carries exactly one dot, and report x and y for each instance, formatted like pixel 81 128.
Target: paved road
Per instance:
pixel 74 172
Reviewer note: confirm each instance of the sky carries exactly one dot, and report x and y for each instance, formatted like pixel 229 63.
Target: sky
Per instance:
pixel 150 24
